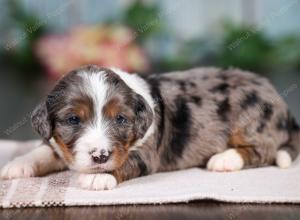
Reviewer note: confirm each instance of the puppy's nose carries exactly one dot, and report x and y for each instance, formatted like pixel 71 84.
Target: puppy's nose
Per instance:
pixel 102 157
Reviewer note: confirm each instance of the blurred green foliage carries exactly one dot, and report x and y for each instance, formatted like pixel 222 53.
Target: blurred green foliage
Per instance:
pixel 286 56
pixel 239 46
pixel 20 54
pixel 245 47
pixel 144 19
pixel 250 48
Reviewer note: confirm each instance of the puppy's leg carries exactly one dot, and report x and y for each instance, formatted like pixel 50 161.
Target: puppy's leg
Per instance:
pixel 255 151
pixel 136 165
pixel 229 160
pixel 38 162
pixel 242 157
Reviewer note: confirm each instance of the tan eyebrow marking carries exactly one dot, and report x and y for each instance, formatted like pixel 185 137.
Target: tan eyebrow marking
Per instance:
pixel 83 107
pixel 111 108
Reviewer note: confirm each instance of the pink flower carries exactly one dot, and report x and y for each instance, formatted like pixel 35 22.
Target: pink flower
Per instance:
pixel 102 45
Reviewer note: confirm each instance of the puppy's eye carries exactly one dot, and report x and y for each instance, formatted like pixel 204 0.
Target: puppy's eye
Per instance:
pixel 121 120
pixel 74 120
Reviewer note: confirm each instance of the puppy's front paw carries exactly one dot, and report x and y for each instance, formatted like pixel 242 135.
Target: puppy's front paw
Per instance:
pixel 19 168
pixel 229 160
pixel 102 181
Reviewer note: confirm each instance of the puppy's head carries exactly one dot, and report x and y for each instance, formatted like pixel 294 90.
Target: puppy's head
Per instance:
pixel 92 118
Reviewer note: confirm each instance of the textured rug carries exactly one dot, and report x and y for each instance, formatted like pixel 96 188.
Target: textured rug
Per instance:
pixel 263 185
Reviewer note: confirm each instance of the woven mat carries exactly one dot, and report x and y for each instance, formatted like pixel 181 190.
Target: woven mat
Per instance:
pixel 262 185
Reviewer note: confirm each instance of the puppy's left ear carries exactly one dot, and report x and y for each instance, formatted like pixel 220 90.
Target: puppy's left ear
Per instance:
pixel 40 121
pixel 144 115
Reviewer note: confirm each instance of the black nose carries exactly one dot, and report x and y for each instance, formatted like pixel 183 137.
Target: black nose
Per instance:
pixel 103 158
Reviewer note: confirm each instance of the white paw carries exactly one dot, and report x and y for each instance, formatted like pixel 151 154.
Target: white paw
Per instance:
pixel 19 168
pixel 229 160
pixel 102 181
pixel 283 159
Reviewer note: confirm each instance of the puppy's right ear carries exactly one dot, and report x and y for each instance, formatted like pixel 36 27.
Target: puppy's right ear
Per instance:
pixel 40 121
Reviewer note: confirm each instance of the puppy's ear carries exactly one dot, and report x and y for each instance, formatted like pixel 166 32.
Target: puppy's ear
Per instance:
pixel 144 115
pixel 40 121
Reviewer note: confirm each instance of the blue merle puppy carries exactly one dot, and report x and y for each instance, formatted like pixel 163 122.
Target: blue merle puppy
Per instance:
pixel 112 126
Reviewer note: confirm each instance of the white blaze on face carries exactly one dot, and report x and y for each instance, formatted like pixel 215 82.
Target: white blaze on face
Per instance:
pixel 94 138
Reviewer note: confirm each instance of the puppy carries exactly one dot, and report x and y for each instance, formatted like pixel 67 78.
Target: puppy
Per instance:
pixel 112 126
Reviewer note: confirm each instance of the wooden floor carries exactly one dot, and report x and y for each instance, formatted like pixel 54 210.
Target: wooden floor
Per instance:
pixel 195 210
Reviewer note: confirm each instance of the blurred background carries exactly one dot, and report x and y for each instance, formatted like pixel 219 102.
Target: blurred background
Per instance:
pixel 42 40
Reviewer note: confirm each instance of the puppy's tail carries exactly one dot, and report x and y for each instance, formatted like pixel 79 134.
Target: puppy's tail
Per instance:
pixel 289 151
